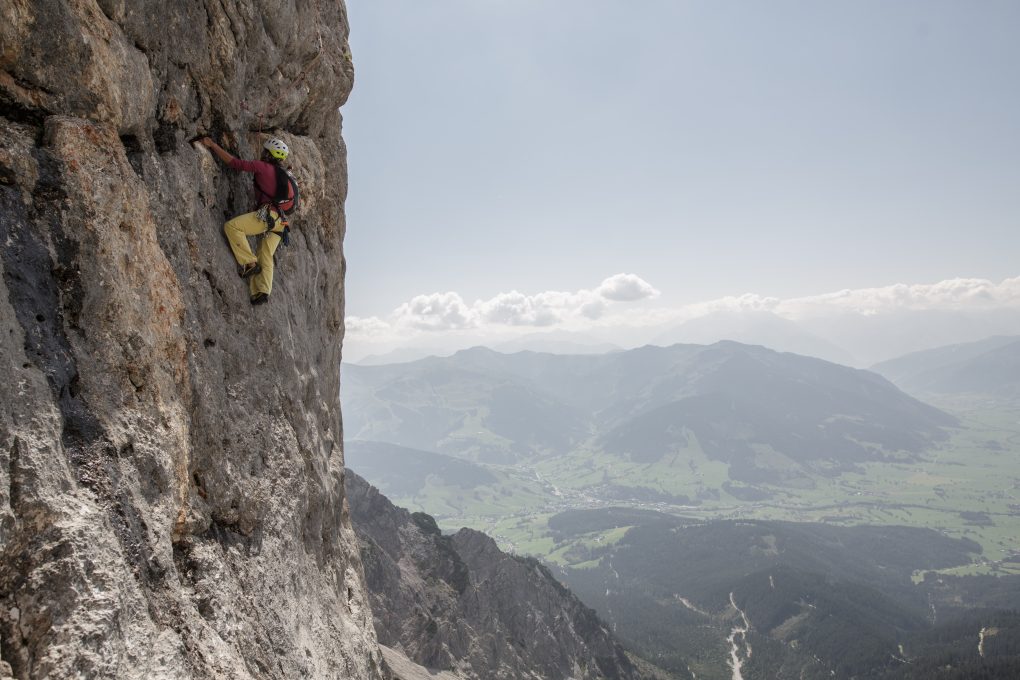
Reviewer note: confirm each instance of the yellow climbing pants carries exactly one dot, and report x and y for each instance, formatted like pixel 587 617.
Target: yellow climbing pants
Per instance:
pixel 238 230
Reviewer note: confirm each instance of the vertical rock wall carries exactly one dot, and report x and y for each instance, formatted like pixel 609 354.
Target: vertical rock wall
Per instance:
pixel 171 474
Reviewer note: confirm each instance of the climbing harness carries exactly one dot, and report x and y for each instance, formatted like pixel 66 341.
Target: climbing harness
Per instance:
pixel 284 203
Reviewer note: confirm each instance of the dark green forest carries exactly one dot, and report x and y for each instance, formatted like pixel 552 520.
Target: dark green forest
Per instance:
pixel 823 601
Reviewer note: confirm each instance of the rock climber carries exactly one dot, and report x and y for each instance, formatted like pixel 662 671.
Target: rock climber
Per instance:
pixel 269 185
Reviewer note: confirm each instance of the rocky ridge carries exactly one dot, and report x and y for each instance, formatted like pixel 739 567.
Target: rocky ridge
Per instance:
pixel 171 473
pixel 458 604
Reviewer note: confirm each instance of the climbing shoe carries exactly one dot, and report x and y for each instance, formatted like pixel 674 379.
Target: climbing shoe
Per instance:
pixel 246 271
pixel 259 299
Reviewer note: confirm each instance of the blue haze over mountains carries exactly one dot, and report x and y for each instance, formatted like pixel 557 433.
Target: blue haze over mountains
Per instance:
pixel 841 336
pixel 990 366
pixel 641 404
pixel 755 328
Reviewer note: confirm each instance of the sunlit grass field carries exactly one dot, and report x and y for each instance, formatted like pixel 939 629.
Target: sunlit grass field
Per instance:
pixel 964 487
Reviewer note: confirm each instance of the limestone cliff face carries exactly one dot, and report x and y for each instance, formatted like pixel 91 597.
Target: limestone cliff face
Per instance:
pixel 171 474
pixel 459 604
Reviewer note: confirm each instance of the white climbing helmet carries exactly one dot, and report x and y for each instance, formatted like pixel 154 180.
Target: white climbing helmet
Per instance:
pixel 276 148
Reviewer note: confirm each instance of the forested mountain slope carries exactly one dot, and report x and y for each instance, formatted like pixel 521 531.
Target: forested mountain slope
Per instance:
pixel 458 603
pixel 740 404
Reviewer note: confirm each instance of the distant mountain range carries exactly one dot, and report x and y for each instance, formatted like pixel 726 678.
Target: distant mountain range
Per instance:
pixel 400 472
pixel 990 366
pixel 756 410
pixel 844 336
pixel 401 355
pixel 532 434
pixel 755 328
pixel 872 338
pixel 556 342
pixel 552 342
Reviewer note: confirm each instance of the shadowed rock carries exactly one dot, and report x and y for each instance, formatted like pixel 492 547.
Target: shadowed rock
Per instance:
pixel 459 603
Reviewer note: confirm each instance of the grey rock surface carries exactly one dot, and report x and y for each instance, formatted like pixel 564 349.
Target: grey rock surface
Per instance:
pixel 403 668
pixel 459 604
pixel 171 474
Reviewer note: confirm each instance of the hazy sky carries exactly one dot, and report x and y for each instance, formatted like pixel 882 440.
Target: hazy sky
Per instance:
pixel 705 149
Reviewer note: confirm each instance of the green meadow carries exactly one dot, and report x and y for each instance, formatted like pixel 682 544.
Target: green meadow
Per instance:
pixel 967 486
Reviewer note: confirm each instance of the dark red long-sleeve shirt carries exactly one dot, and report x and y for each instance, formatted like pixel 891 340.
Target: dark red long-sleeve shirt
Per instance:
pixel 265 178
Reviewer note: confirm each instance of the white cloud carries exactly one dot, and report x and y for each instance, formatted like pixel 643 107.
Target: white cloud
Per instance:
pixel 626 288
pixel 517 309
pixel 748 302
pixel 443 312
pixel 435 312
pixel 448 311
pixel 944 295
pixel 366 326
pixel 609 308
pixel 593 309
